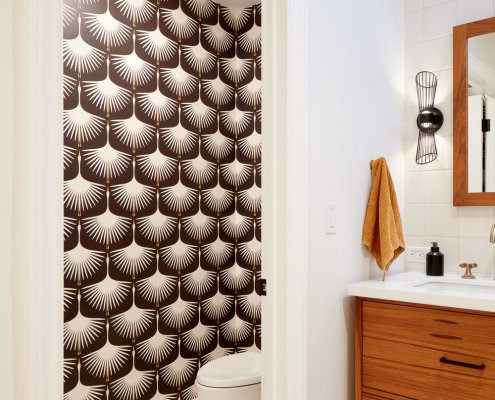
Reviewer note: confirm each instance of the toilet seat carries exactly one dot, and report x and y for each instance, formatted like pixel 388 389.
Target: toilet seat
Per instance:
pixel 241 369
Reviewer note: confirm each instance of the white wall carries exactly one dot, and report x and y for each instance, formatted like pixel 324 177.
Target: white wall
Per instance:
pixel 356 113
pixel 462 232
pixel 6 149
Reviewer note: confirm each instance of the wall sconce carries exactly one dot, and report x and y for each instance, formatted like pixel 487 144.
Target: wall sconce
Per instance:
pixel 430 118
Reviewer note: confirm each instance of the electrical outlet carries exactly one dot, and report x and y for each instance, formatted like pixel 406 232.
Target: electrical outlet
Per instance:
pixel 416 254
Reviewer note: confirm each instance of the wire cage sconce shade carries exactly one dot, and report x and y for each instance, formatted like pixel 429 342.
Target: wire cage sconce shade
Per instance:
pixel 430 118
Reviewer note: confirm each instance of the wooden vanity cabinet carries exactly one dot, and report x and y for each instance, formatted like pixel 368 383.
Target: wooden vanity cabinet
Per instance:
pixel 410 351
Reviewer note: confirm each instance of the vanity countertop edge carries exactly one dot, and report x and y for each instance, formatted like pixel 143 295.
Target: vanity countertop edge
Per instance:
pixel 406 287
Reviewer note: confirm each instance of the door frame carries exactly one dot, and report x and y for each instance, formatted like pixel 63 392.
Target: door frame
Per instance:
pixel 37 185
pixel 285 199
pixel 37 243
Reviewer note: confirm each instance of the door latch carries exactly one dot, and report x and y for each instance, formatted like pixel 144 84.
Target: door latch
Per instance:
pixel 262 287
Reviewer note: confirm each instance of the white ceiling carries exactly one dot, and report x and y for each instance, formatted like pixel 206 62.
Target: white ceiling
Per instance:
pixel 238 3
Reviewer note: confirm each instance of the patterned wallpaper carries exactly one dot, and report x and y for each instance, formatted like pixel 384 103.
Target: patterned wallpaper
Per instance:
pixel 162 193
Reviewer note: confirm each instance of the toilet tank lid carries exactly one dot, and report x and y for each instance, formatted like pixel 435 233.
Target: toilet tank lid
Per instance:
pixel 239 369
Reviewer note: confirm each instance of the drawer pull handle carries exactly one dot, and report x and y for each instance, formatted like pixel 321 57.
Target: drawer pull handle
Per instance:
pixel 445 360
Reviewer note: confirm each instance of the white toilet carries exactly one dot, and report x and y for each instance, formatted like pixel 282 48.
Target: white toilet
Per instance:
pixel 235 377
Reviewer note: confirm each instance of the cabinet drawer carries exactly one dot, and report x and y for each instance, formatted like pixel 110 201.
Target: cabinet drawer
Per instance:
pixel 469 334
pixel 428 359
pixel 422 383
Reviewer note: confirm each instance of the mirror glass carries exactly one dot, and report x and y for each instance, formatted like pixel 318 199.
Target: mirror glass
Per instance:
pixel 481 113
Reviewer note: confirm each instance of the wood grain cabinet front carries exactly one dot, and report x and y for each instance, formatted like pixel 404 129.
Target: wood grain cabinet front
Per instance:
pixel 408 351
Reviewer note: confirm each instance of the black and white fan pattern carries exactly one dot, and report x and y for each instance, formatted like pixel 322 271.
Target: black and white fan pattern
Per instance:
pixel 162 193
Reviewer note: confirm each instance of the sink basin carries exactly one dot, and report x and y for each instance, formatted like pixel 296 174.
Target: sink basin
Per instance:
pixel 442 287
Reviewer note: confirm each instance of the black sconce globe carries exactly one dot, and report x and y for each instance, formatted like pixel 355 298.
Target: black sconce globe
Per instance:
pixel 430 120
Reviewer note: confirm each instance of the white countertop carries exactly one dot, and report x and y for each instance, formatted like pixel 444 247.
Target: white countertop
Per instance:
pixel 479 294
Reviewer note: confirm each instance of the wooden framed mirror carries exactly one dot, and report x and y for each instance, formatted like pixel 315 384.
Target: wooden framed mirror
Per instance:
pixel 474 113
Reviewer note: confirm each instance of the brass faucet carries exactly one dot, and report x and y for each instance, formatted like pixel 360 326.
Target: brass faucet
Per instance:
pixel 468 267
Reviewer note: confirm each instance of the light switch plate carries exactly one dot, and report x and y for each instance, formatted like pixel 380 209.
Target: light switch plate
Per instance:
pixel 417 254
pixel 330 228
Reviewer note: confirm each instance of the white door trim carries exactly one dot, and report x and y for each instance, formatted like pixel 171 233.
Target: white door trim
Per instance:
pixel 38 205
pixel 6 199
pixel 297 201
pixel 285 199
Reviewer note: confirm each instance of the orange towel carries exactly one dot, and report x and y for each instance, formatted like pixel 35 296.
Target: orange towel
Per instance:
pixel 382 230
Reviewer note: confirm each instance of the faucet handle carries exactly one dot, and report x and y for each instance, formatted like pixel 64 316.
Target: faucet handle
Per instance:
pixel 468 267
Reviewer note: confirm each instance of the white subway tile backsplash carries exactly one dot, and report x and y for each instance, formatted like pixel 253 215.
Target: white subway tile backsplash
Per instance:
pixel 443 161
pixel 437 53
pixel 448 119
pixel 475 222
pixel 414 26
pixel 445 154
pixel 440 220
pixel 430 3
pixel 417 267
pixel 415 188
pixel 473 10
pixel 414 220
pixel 413 5
pixel 438 20
pixel 445 84
pixel 462 232
pixel 438 187
pixel 479 251
pixel 415 241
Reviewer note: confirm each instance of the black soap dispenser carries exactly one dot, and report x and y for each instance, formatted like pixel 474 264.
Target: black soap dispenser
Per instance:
pixel 434 261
